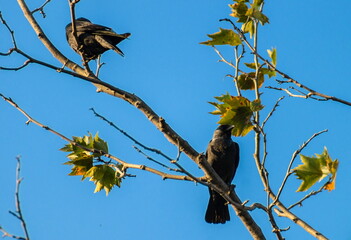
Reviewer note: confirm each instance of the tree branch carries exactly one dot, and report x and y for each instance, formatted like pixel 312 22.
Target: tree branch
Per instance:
pixel 18 214
pixel 41 9
pixel 306 197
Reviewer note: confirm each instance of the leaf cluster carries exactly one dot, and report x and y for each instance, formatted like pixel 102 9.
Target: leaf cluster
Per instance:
pixel 85 154
pixel 247 14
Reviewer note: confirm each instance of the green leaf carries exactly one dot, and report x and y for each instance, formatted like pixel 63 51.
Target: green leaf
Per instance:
pixel 238 9
pixel 268 72
pixel 104 177
pixel 248 27
pixel 255 13
pixel 316 169
pixel 223 37
pixel 99 144
pixel 234 111
pixel 251 65
pixel 273 55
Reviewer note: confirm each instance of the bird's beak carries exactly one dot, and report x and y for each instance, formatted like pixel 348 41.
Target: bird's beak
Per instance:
pixel 230 127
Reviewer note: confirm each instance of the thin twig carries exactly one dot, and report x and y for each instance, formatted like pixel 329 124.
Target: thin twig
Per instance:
pixel 41 9
pixel 272 111
pixel 155 161
pixel 306 197
pixel 157 151
pixel 25 64
pixel 12 33
pixel 99 64
pixel 288 171
pixel 17 199
pixel 225 60
pixel 18 214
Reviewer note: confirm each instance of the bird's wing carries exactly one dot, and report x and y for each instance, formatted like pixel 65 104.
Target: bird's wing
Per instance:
pixel 108 45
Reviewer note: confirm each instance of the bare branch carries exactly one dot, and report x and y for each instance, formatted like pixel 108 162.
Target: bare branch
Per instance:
pixel 272 111
pixel 18 214
pixel 17 198
pixel 155 161
pixel 26 63
pixel 306 197
pixel 12 33
pixel 41 9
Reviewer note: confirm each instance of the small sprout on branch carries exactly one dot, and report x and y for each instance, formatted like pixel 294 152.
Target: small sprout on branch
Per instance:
pixel 316 169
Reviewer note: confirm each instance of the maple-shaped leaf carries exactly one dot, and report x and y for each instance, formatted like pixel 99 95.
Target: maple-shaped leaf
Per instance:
pixel 104 177
pixel 315 169
pixel 223 37
pixel 235 111
pixel 239 10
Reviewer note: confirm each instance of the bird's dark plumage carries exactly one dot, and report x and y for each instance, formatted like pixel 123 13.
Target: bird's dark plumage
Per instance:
pixel 223 155
pixel 93 39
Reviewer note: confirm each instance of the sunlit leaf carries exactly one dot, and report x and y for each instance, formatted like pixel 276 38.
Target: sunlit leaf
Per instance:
pixel 255 13
pixel 273 55
pixel 248 27
pixel 223 37
pixel 104 177
pixel 238 9
pixel 315 169
pixel 235 111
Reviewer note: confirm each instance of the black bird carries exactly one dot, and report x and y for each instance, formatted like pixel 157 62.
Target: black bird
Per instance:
pixel 223 155
pixel 93 39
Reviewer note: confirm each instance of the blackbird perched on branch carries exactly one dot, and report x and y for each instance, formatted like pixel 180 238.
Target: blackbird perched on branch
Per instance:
pixel 223 155
pixel 93 39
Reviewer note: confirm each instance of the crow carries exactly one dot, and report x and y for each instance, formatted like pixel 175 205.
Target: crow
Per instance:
pixel 223 155
pixel 93 39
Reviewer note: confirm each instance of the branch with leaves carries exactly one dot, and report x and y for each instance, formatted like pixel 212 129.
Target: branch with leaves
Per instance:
pixel 89 155
pixel 244 113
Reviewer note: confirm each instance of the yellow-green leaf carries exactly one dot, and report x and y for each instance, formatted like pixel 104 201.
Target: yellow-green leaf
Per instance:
pixel 235 111
pixel 273 55
pixel 223 37
pixel 315 169
pixel 248 27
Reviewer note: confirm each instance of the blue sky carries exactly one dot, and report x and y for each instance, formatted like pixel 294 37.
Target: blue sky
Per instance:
pixel 166 67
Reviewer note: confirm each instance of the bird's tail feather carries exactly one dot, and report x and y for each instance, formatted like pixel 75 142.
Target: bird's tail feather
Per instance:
pixel 217 209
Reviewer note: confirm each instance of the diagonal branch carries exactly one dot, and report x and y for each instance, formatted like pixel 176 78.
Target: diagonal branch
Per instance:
pixel 158 121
